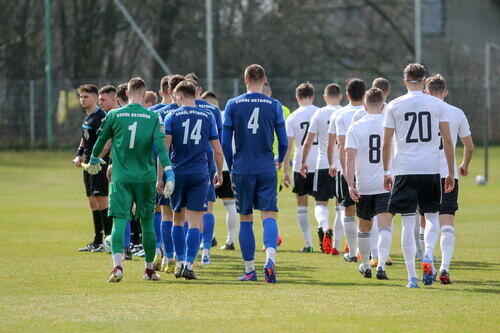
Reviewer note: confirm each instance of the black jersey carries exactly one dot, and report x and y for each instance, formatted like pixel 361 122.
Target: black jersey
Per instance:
pixel 91 124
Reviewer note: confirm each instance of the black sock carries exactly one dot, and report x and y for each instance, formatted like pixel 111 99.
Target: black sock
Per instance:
pixel 96 215
pixel 107 222
pixel 136 232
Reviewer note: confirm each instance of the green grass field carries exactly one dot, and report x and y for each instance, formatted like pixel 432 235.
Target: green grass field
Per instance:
pixel 46 285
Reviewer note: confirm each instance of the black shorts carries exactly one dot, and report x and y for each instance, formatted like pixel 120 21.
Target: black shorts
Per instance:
pixel 410 191
pixel 342 191
pixel 303 186
pixel 372 204
pixel 96 185
pixel 323 185
pixel 226 189
pixel 449 201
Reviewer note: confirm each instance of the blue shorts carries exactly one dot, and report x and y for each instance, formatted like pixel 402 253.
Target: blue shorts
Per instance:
pixel 211 187
pixel 255 192
pixel 190 192
pixel 160 198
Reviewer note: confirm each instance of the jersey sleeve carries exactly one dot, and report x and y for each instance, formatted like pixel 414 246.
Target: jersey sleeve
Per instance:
pixel 464 127
pixel 351 139
pixel 340 126
pixel 228 116
pixel 332 129
pixel 159 128
pixel 314 127
pixel 167 124
pixel 214 133
pixel 443 112
pixel 389 120
pixel 289 126
pixel 105 130
pixel 280 121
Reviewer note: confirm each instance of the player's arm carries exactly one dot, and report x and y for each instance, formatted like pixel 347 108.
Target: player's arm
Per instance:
pixel 105 133
pixel 449 153
pixel 306 148
pixel 79 153
pixel 341 141
pixel 227 135
pixel 468 152
pixel 282 144
pixel 386 157
pixel 217 151
pixel 350 170
pixel 330 149
pixel 106 149
pixel 161 143
pixel 286 163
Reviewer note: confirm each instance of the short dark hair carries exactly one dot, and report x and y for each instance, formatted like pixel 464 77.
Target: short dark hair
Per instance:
pixel 209 94
pixel 305 90
pixel 88 88
pixel 193 77
pixel 150 97
pixel 136 84
pixel 374 96
pixel 356 89
pixel 255 72
pixel 121 92
pixel 414 72
pixel 174 80
pixel 382 84
pixel 108 89
pixel 164 83
pixel 435 84
pixel 187 88
pixel 332 90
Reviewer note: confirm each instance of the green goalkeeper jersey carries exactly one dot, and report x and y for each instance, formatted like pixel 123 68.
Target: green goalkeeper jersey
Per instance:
pixel 134 130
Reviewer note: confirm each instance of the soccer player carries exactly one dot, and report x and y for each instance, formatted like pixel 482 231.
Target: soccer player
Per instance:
pixel 163 92
pixel 297 125
pixel 190 129
pixel 323 183
pixel 459 127
pixel 253 118
pixel 355 91
pixel 96 186
pixel 364 159
pixel 121 94
pixel 134 130
pixel 416 118
pixel 108 99
pixel 150 99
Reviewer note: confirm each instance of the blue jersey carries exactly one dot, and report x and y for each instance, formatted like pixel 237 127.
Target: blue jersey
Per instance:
pixel 156 106
pixel 192 129
pixel 166 108
pixel 253 117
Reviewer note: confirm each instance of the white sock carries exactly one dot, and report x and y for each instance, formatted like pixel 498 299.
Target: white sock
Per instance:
pixel 117 259
pixel 350 234
pixel 384 245
pixel 271 254
pixel 417 233
pixel 374 238
pixel 338 227
pixel 231 220
pixel 321 214
pixel 205 253
pixel 408 244
pixel 158 251
pixel 180 263
pixel 149 265
pixel 431 233
pixel 447 246
pixel 364 247
pixel 303 220
pixel 249 266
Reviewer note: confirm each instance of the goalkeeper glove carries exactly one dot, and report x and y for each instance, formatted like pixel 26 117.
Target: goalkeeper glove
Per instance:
pixel 169 183
pixel 94 165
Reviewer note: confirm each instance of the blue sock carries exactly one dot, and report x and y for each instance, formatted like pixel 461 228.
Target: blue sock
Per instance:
pixel 192 244
pixel 179 242
pixel 166 235
pixel 247 240
pixel 186 228
pixel 126 235
pixel 208 230
pixel 270 235
pixel 157 223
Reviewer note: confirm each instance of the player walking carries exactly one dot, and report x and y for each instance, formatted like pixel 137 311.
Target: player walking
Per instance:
pixel 253 118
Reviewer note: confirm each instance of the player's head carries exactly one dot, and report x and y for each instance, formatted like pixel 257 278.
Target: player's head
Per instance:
pixel 211 97
pixel 163 92
pixel 107 98
pixel 355 90
pixel 266 89
pixel 255 77
pixel 150 99
pixel 194 78
pixel 121 94
pixel 384 85
pixel 136 90
pixel 185 93
pixel 304 94
pixel 414 76
pixel 436 86
pixel 88 94
pixel 374 100
pixel 173 81
pixel 332 94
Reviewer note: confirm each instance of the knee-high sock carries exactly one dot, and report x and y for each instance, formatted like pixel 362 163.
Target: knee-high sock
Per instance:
pixel 321 214
pixel 338 227
pixel 166 235
pixel 247 244
pixel 231 220
pixel 364 245
pixel 431 233
pixel 447 246
pixel 98 228
pixel 117 235
pixel 208 231
pixel 270 238
pixel 374 238
pixel 157 228
pixel 186 228
pixel 107 222
pixel 304 225
pixel 408 243
pixel 148 238
pixel 350 234
pixel 417 234
pixel 384 245
pixel 127 234
pixel 192 244
pixel 179 241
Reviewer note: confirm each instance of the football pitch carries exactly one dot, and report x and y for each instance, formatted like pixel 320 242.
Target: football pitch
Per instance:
pixel 46 285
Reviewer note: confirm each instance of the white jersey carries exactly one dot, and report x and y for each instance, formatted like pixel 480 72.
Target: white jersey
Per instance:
pixel 365 135
pixel 332 129
pixel 297 125
pixel 344 118
pixel 320 123
pixel 415 118
pixel 459 127
pixel 362 112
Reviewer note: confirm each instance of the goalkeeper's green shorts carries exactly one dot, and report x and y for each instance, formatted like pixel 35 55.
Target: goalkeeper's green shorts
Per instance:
pixel 122 196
